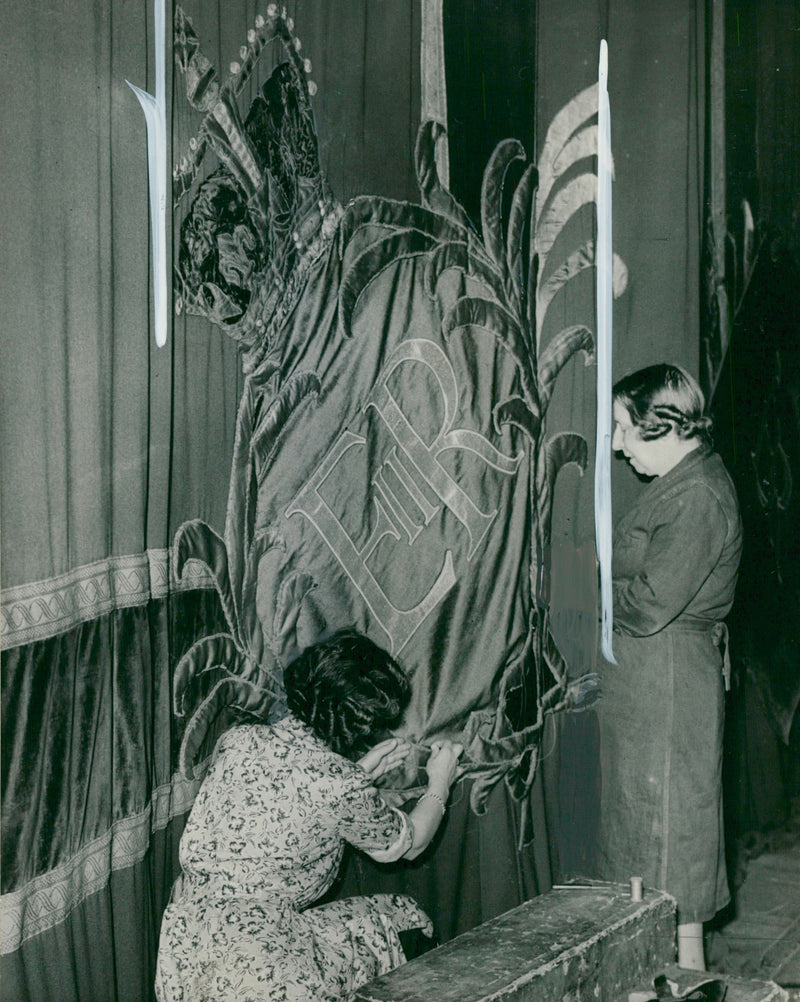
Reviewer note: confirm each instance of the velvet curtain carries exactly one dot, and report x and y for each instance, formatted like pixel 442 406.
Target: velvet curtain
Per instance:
pixel 656 84
pixel 757 410
pixel 90 411
pixel 91 810
pixel 102 452
pixel 109 444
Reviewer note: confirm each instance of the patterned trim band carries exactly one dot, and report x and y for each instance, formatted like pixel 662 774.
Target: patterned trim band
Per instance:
pixel 43 609
pixel 48 899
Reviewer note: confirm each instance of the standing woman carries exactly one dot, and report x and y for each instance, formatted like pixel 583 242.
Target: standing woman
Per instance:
pixel 676 557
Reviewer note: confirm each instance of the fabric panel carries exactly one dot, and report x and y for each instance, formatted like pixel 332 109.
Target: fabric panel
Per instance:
pixel 366 63
pixel 105 949
pixel 656 92
pixel 434 82
pixel 50 898
pixel 99 452
pixel 419 567
pixel 87 740
pixel 491 72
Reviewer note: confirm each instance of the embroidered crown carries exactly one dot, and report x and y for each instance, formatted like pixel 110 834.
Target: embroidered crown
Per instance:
pixel 265 214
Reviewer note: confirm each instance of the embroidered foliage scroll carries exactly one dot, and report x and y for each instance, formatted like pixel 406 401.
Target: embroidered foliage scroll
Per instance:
pixel 392 465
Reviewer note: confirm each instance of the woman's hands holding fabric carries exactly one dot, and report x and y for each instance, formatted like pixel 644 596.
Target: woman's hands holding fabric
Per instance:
pixel 384 757
pixel 442 769
pixel 442 766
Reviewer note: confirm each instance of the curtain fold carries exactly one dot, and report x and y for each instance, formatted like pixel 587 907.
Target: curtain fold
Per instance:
pixel 105 951
pixel 88 755
pixel 490 64
pixel 100 455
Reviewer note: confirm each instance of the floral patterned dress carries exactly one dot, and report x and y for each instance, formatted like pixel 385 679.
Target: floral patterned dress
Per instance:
pixel 264 840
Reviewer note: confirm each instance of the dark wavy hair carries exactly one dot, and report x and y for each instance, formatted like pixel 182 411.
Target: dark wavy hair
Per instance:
pixel 347 690
pixel 663 398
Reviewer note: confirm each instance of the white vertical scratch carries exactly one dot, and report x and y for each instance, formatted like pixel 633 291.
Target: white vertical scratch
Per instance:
pixel 155 113
pixel 603 267
pixel 433 81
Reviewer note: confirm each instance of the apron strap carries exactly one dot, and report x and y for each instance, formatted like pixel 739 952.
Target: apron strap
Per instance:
pixel 721 638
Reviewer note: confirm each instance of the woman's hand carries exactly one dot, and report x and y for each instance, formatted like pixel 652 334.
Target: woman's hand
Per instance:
pixel 442 766
pixel 384 757
pixel 442 769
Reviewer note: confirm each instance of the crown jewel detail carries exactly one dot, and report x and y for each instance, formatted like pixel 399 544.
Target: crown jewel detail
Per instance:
pixel 257 222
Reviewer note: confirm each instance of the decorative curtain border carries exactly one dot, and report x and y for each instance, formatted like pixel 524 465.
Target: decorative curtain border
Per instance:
pixel 43 609
pixel 47 900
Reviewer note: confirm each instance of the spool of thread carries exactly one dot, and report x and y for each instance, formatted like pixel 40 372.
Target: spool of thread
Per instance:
pixel 636 888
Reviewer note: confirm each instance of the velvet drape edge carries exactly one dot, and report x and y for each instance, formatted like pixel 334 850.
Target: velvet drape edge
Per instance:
pixel 48 899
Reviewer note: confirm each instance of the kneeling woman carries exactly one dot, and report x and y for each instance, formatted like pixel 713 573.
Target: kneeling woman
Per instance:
pixel 266 834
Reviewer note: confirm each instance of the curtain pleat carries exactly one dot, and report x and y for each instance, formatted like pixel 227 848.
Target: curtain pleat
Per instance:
pixel 100 456
pixel 365 62
pixel 490 66
pixel 105 951
pixel 88 753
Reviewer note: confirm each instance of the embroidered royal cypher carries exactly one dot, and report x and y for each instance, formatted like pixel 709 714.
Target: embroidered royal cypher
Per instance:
pixel 392 467
pixel 396 492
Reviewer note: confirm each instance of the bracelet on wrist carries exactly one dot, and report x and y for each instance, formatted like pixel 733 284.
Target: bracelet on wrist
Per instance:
pixel 428 795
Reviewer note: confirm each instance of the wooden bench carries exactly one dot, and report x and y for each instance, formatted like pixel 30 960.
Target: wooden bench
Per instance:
pixel 587 943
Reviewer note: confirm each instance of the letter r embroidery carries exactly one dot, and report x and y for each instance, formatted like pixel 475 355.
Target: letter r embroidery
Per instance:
pixel 393 515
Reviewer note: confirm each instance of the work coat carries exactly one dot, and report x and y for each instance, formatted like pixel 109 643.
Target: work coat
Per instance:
pixel 676 557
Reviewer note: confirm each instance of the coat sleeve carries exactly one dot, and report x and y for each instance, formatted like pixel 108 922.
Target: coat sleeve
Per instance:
pixel 686 535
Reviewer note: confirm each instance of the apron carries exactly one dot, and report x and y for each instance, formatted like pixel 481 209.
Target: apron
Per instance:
pixel 661 719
